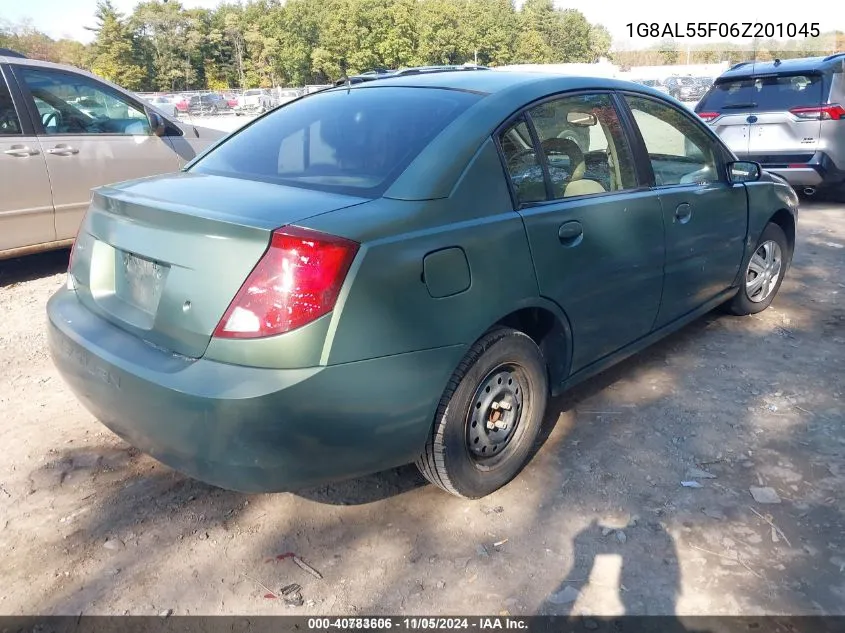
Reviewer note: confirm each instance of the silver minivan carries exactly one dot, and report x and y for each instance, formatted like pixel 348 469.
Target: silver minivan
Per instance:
pixel 64 131
pixel 788 115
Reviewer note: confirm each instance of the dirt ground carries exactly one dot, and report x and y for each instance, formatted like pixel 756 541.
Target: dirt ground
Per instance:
pixel 599 523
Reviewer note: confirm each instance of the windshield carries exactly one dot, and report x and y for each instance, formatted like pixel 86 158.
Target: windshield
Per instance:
pixel 346 141
pixel 252 93
pixel 771 93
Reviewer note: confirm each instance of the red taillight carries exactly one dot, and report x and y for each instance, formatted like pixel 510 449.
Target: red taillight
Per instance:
pixel 707 116
pixel 295 282
pixel 832 112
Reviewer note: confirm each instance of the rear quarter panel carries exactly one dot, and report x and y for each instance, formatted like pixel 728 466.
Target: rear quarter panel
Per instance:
pixel 386 307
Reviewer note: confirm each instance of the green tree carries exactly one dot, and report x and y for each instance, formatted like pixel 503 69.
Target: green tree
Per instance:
pixel 600 41
pixel 531 48
pixel 401 42
pixel 441 30
pixel 537 25
pixel 491 27
pixel 114 51
pixel 570 39
pixel 164 29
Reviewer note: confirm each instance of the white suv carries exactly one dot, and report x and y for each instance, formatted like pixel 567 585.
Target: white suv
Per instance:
pixel 64 131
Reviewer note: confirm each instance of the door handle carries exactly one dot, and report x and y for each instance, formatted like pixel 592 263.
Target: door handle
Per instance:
pixel 683 213
pixel 62 150
pixel 20 151
pixel 570 233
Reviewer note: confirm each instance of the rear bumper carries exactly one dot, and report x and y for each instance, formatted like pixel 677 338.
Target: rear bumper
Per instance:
pixel 243 428
pixel 819 171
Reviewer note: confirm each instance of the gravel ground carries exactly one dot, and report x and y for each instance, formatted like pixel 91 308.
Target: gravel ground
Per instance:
pixel 598 523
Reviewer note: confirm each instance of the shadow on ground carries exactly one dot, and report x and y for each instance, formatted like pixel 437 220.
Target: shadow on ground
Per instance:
pixel 23 269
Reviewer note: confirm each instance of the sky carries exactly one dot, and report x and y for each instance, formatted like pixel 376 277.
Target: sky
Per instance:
pixel 60 18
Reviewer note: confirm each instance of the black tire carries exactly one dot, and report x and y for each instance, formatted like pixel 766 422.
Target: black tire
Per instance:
pixel 447 460
pixel 742 304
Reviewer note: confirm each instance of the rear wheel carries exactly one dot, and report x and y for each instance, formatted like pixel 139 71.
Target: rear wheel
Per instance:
pixel 489 416
pixel 764 273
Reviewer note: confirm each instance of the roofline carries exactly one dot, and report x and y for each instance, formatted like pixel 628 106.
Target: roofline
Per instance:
pixel 380 73
pixel 8 52
pixel 816 63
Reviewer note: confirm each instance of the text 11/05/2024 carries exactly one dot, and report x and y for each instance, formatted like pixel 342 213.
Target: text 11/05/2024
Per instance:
pixel 722 29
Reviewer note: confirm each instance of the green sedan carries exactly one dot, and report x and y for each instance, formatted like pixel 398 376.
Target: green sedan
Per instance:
pixel 405 270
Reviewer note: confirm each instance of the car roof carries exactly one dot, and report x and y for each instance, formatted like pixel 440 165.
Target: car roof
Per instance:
pixel 26 61
pixel 502 94
pixel 802 64
pixel 37 63
pixel 493 82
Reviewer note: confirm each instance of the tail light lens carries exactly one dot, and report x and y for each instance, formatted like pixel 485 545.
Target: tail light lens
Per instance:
pixel 707 116
pixel 832 112
pixel 296 281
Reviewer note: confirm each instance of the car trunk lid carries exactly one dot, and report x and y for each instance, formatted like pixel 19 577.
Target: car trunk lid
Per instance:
pixel 163 257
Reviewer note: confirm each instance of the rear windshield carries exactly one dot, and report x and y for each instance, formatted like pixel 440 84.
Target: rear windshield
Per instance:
pixel 252 93
pixel 767 93
pixel 354 141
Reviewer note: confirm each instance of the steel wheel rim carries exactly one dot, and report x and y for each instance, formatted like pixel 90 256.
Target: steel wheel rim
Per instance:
pixel 763 271
pixel 494 415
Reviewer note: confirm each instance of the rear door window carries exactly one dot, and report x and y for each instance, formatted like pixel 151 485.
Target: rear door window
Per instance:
pixel 764 93
pixel 522 163
pixel 347 141
pixel 585 148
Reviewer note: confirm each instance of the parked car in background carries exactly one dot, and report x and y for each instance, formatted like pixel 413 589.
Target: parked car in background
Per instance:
pixel 312 88
pixel 704 82
pixel 684 88
pixel 166 104
pixel 653 83
pixel 787 115
pixel 64 131
pixel 181 102
pixel 208 103
pixel 406 269
pixel 284 95
pixel 254 100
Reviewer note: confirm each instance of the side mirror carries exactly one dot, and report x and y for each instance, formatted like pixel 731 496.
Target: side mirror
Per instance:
pixel 157 124
pixel 744 171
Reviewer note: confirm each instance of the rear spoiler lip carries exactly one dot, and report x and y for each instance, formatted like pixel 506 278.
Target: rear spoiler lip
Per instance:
pixel 752 75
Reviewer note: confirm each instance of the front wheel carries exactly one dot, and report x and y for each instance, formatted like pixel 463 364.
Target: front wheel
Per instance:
pixel 489 416
pixel 764 273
